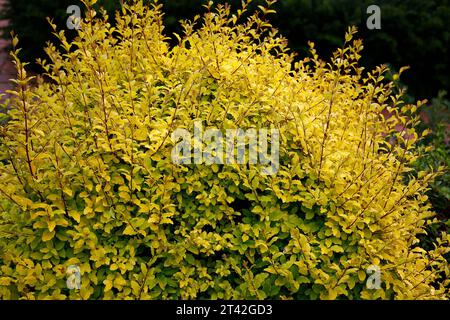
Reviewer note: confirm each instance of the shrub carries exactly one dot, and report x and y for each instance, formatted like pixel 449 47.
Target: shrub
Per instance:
pixel 437 119
pixel 436 152
pixel 87 178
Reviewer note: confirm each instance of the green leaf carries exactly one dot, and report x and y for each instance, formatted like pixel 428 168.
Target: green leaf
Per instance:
pixel 259 279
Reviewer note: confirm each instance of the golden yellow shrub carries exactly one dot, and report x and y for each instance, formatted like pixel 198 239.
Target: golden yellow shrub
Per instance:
pixel 87 180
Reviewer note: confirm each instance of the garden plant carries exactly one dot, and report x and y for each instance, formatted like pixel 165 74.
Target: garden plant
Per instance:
pixel 87 180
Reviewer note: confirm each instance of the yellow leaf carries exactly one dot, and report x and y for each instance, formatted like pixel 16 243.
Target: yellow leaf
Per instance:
pixel 140 134
pixel 24 202
pixel 332 294
pixel 108 284
pixel 48 235
pixel 68 191
pixel 144 208
pixel 119 282
pixel 361 275
pixel 129 231
pixel 86 292
pixel 75 215
pixel 124 195
pixel 51 225
pixel 136 287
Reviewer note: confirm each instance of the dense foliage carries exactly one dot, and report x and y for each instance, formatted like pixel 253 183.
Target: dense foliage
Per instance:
pixel 437 117
pixel 435 151
pixel 86 176
pixel 414 32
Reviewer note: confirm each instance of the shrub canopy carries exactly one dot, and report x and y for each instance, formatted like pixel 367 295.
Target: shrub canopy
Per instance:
pixel 87 180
